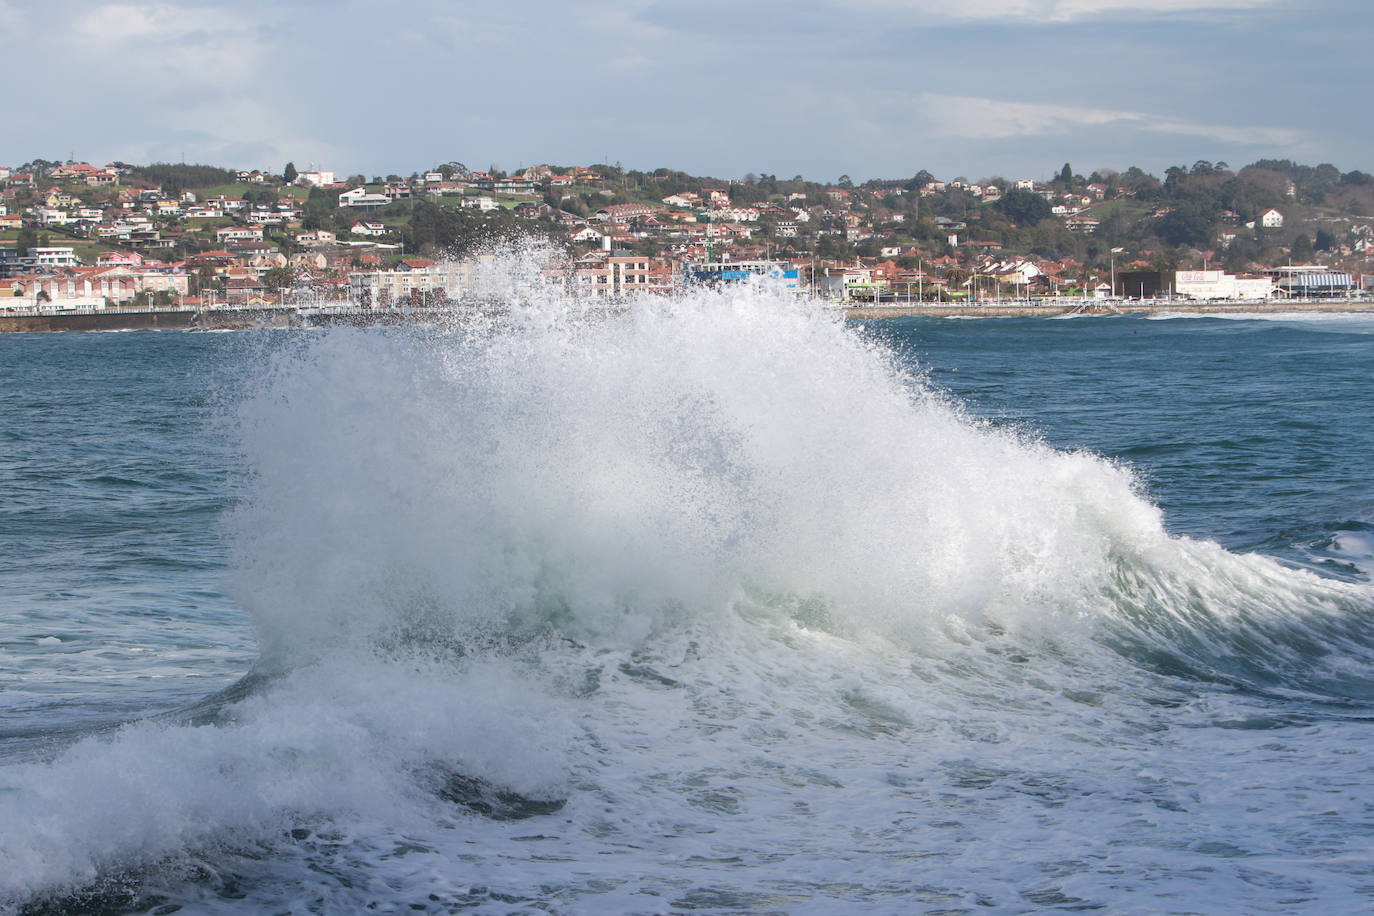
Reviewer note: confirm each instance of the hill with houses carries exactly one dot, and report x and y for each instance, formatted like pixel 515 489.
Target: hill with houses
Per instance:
pixel 138 236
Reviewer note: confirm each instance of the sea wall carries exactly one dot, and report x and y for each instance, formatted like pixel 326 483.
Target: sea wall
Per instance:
pixel 250 319
pixel 159 320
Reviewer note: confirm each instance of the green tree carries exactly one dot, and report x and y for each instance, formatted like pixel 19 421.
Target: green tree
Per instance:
pixel 279 278
pixel 289 173
pixel 1024 208
pixel 1186 224
pixel 1325 241
pixel 920 180
pixel 174 177
pixel 321 200
pixel 202 279
pixel 1240 254
pixel 456 231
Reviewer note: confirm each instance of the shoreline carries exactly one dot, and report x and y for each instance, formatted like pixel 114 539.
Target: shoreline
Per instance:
pixel 1100 308
pixel 174 319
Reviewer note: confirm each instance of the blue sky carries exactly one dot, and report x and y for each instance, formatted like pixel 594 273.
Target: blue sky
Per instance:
pixel 868 88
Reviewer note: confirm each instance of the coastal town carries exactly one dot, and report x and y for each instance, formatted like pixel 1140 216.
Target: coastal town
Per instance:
pixel 77 238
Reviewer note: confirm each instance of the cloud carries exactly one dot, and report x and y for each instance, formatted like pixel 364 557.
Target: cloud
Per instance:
pixel 205 77
pixel 258 82
pixel 973 118
pixel 117 23
pixel 200 46
pixel 1062 10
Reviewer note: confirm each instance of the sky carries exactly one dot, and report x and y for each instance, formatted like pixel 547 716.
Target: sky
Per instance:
pixel 819 88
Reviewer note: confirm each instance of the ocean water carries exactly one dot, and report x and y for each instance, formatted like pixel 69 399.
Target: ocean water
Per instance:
pixel 717 605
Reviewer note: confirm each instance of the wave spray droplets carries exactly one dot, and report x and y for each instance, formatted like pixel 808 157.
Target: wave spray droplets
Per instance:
pixel 730 610
pixel 599 474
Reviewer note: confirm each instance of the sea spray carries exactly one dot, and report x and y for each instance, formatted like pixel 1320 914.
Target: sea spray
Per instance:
pixel 602 474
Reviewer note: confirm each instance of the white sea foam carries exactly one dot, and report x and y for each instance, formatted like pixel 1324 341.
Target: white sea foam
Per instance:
pixel 1357 548
pixel 1354 321
pixel 612 472
pixel 314 746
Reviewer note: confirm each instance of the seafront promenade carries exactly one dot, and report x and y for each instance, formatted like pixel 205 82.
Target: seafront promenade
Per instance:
pixel 225 319
pixel 178 319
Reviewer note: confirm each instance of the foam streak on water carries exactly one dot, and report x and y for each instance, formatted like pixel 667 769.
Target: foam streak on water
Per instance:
pixel 712 604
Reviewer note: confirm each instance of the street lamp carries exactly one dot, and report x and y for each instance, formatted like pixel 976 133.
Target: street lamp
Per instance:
pixel 1115 252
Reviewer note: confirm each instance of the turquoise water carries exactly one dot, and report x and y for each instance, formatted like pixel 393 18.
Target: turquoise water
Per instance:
pixel 721 606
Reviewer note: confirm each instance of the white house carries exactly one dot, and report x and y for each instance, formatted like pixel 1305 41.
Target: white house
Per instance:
pixel 51 217
pixel 479 202
pixel 736 214
pixel 1271 219
pixel 54 257
pixel 586 234
pixel 315 238
pixel 238 234
pixel 359 197
pixel 266 216
pixel 1016 271
pixel 314 179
